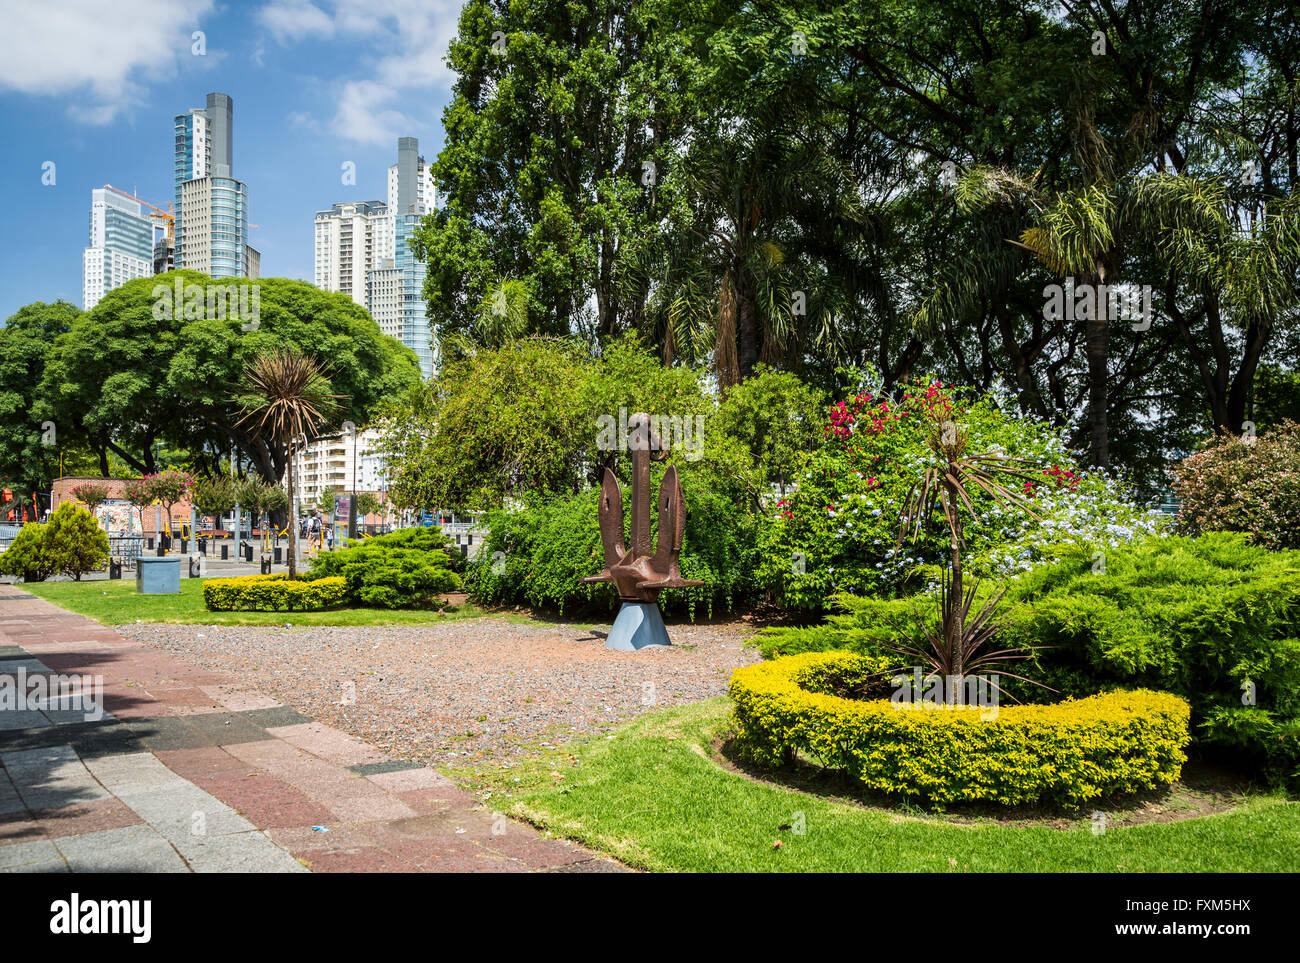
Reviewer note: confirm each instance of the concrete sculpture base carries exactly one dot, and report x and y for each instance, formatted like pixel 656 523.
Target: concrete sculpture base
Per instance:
pixel 639 624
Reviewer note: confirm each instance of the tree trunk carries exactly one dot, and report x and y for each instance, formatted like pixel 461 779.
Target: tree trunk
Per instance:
pixel 747 336
pixel 1098 369
pixel 293 515
pixel 955 627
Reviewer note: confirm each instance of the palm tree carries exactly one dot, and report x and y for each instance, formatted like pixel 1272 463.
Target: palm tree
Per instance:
pixel 947 484
pixel 286 397
pixel 721 273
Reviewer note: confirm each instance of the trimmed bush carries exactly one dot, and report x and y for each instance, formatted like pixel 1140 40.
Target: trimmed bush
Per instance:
pixel 272 593
pixel 406 569
pixel 71 543
pixel 26 556
pixel 1213 619
pixel 1250 486
pixel 1068 754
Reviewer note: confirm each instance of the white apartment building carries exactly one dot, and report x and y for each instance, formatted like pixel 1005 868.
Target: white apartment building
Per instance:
pixel 352 239
pixel 329 462
pixel 120 245
pixel 362 248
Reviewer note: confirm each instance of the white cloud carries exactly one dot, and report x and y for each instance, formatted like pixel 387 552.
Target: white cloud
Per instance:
pixel 403 45
pixel 105 55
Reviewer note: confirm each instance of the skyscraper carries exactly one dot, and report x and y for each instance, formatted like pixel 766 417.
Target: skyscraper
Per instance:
pixel 362 247
pixel 352 240
pixel 120 246
pixel 211 205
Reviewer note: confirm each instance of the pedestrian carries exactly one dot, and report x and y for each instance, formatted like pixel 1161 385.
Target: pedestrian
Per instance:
pixel 329 538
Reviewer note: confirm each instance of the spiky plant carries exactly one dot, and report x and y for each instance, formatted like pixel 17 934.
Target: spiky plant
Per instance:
pixel 285 397
pixel 945 487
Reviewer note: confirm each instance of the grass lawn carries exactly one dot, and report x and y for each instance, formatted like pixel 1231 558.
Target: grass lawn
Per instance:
pixel 653 797
pixel 116 602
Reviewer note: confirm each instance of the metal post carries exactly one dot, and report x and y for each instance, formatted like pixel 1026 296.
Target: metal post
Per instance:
pixel 352 502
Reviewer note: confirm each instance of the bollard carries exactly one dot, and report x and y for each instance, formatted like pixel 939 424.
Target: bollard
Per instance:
pixel 114 569
pixel 203 546
pixel 225 552
pixel 248 551
pixel 266 565
pixel 278 550
pixel 185 546
pixel 149 543
pixel 161 551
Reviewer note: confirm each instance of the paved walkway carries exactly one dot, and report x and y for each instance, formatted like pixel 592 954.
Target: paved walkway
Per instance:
pixel 190 770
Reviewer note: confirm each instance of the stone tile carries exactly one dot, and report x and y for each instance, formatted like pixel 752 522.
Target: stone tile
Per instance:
pixel 369 860
pixel 267 801
pixel 406 780
pixel 304 840
pixel 203 763
pixel 19 827
pixel 133 849
pixel 274 718
pixel 29 665
pixel 51 777
pixel 133 773
pixel 11 719
pixel 21 855
pixel 89 817
pixel 226 728
pixel 359 809
pixel 168 732
pixel 246 852
pixel 10 801
pixel 327 743
pixel 234 699
pixel 437 800
pixel 388 765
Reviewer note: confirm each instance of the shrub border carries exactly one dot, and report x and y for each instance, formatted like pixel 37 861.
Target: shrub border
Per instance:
pixel 1068 753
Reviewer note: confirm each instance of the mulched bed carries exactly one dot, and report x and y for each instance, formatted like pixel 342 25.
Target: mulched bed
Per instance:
pixel 470 691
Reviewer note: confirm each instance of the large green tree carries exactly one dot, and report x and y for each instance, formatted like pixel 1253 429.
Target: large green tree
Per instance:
pixel 127 377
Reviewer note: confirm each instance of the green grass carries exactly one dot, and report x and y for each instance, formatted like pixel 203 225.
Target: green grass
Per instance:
pixel 116 603
pixel 655 798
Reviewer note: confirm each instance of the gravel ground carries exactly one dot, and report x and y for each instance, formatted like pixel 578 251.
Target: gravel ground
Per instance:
pixel 469 691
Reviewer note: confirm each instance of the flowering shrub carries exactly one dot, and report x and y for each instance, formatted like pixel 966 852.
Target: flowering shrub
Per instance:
pixel 1244 485
pixel 92 493
pixel 838 531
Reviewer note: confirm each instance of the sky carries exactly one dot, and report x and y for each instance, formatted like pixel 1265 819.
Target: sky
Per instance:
pixel 94 87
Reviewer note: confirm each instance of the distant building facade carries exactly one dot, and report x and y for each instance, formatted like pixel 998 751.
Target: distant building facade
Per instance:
pixel 362 248
pixel 120 245
pixel 211 205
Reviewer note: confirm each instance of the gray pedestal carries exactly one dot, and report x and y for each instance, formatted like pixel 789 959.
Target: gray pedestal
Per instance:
pixel 638 625
pixel 158 576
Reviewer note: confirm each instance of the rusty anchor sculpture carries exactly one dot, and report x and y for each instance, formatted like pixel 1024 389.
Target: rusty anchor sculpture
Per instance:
pixel 639 572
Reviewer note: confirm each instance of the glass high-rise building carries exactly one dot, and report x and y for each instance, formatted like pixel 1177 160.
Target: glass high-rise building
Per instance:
pixel 211 206
pixel 120 245
pixel 363 248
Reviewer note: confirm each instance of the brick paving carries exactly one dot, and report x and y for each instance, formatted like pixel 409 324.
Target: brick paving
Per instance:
pixel 183 769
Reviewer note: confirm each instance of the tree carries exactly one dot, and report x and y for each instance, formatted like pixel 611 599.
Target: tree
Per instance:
pixel 286 397
pixel 169 487
pixel 325 500
pixel 139 493
pixel 778 418
pixel 260 498
pixel 92 493
pixel 214 495
pixel 74 541
pixel 28 556
pixel 29 449
pixel 123 380
pixel 368 503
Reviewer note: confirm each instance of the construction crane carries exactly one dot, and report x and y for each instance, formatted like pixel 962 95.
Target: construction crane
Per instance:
pixel 167 217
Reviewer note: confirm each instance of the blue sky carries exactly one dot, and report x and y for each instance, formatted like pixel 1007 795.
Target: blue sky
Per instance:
pixel 94 87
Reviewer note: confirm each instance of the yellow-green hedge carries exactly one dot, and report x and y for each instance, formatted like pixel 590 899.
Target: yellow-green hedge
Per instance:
pixel 1068 753
pixel 271 593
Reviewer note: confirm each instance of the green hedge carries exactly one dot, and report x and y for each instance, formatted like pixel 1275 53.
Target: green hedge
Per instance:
pixel 1070 753
pixel 271 593
pixel 1200 617
pixel 404 569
